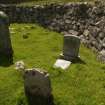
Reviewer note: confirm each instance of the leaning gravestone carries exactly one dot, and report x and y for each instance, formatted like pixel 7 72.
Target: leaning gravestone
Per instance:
pixel 5 41
pixel 37 87
pixel 70 51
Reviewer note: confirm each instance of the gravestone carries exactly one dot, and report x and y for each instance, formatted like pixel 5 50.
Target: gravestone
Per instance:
pixel 38 87
pixel 5 41
pixel 71 47
pixel 70 52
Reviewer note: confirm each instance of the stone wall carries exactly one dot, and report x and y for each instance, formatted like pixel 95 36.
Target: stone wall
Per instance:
pixel 82 19
pixel 13 1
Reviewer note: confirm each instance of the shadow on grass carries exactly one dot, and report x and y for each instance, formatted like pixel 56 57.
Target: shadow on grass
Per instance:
pixel 78 60
pixel 6 61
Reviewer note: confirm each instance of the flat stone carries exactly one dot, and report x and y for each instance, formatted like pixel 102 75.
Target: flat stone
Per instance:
pixel 61 63
pixel 86 32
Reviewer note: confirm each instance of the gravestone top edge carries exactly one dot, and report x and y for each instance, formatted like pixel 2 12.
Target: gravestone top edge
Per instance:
pixel 74 36
pixel 43 72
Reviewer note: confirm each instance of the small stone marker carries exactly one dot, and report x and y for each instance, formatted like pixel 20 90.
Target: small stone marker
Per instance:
pixel 70 52
pixel 5 41
pixel 37 87
pixel 61 63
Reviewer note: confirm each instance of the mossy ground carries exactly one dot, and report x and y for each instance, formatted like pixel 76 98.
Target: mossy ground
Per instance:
pixel 43 2
pixel 81 84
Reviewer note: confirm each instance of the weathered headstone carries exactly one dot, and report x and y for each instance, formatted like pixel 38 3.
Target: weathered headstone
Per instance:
pixel 37 87
pixel 71 47
pixel 5 41
pixel 70 52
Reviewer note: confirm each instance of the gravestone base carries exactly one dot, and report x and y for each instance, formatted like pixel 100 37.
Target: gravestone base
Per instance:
pixel 34 99
pixel 69 58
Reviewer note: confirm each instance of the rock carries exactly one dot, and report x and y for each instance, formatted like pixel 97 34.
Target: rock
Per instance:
pixel 93 31
pixel 72 32
pixel 20 65
pixel 101 56
pixel 67 21
pixel 37 86
pixel 61 63
pixel 86 32
pixel 99 47
pixel 103 46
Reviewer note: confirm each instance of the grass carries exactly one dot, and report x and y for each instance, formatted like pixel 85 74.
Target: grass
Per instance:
pixel 43 2
pixel 81 84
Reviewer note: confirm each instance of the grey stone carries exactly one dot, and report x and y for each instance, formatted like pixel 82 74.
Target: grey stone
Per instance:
pixel 93 31
pixel 86 32
pixel 101 35
pixel 71 47
pixel 61 63
pixel 5 41
pixel 101 56
pixel 99 47
pixel 67 21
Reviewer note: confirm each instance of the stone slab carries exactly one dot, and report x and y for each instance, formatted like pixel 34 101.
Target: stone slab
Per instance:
pixel 61 63
pixel 71 47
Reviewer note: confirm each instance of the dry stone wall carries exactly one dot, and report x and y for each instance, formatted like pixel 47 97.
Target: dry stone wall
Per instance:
pixel 82 19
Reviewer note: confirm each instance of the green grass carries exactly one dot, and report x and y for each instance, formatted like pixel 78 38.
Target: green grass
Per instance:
pixel 81 84
pixel 42 2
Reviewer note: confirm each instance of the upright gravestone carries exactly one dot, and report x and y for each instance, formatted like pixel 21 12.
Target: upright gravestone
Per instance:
pixel 70 51
pixel 5 41
pixel 38 87
pixel 71 47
